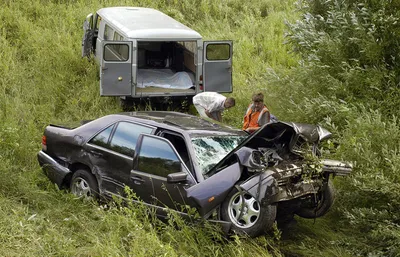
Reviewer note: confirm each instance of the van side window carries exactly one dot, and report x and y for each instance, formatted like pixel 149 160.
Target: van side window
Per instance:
pixel 190 45
pixel 118 37
pixel 97 25
pixel 108 32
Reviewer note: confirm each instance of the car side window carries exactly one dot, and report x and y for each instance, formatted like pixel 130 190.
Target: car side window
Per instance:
pixel 125 137
pixel 157 157
pixel 102 138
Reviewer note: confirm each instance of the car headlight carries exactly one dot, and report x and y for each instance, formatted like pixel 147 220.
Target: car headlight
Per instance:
pixel 257 159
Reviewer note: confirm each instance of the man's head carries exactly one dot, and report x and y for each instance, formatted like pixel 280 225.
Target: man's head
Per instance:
pixel 229 102
pixel 258 101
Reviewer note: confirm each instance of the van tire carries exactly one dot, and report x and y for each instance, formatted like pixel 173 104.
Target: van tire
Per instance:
pixel 126 104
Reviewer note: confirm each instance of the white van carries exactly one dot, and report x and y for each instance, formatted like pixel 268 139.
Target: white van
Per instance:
pixel 144 53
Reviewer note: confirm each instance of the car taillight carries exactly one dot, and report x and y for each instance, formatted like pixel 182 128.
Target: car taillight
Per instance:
pixel 44 142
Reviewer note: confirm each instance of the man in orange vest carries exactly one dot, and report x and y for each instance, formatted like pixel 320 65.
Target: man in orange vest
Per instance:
pixel 256 115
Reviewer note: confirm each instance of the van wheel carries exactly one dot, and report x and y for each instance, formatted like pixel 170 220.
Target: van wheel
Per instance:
pixel 255 219
pixel 84 185
pixel 126 104
pixel 324 199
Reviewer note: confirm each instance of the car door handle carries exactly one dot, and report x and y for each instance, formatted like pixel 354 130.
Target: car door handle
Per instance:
pixel 96 153
pixel 137 180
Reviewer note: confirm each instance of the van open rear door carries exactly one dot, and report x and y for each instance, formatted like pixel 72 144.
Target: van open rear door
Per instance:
pixel 88 34
pixel 217 66
pixel 116 68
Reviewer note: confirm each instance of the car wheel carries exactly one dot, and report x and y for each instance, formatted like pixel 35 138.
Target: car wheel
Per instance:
pixel 325 201
pixel 84 184
pixel 255 220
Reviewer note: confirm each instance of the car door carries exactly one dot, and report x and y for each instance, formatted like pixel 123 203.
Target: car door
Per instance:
pixel 116 68
pixel 155 159
pixel 217 66
pixel 111 152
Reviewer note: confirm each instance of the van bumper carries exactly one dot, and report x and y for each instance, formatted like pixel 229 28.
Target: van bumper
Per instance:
pixel 53 170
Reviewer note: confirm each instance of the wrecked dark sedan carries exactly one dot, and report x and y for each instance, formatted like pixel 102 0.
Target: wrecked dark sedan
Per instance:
pixel 170 159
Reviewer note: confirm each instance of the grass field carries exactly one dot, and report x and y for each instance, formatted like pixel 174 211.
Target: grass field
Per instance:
pixel 44 80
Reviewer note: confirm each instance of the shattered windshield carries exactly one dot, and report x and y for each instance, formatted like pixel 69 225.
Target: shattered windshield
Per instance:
pixel 212 149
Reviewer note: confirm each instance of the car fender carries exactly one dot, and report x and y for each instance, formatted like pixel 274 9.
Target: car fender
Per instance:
pixel 211 192
pixel 262 186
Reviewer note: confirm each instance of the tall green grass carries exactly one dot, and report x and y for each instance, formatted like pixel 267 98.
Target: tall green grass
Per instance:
pixel 44 80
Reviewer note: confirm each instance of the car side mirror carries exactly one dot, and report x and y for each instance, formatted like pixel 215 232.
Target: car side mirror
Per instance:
pixel 177 177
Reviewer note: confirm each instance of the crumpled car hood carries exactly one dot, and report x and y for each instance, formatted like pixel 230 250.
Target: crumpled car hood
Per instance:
pixel 287 132
pixel 311 133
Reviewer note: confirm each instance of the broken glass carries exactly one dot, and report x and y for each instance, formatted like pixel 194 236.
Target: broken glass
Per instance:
pixel 212 149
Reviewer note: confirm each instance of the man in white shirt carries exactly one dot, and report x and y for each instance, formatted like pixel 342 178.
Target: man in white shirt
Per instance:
pixel 212 104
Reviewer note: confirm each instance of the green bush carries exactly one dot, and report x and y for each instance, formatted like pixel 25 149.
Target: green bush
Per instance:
pixel 347 81
pixel 355 44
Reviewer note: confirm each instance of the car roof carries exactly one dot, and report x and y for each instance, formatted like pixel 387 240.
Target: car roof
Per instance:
pixel 182 122
pixel 146 23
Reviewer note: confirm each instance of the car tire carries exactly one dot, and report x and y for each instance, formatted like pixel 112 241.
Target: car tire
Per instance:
pixel 257 218
pixel 84 185
pixel 326 199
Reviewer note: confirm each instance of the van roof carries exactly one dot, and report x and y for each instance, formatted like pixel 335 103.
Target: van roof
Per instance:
pixel 146 23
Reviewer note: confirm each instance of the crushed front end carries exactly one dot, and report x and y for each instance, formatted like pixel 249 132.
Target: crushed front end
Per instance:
pixel 284 168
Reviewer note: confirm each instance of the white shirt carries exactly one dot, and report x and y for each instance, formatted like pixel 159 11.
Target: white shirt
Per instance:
pixel 210 101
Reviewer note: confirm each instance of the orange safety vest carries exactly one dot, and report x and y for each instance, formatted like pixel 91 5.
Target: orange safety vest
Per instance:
pixel 252 118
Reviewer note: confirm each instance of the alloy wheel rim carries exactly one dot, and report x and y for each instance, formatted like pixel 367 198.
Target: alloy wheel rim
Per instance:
pixel 81 188
pixel 251 210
